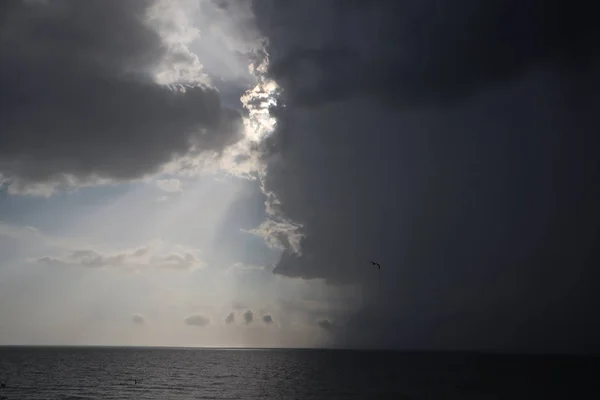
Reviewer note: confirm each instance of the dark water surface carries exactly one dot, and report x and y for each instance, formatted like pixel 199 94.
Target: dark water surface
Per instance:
pixel 166 373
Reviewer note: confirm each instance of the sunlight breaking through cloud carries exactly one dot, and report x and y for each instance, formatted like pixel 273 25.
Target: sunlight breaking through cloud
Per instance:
pixel 258 101
pixel 96 244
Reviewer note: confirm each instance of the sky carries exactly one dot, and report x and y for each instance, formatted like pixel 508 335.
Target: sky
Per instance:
pixel 222 173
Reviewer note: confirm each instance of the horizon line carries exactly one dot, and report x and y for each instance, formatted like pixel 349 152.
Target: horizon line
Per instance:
pixel 483 352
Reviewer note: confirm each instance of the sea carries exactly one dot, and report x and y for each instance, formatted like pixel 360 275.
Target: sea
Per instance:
pixel 73 373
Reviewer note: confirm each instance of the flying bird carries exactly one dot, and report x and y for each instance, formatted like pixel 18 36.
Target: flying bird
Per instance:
pixel 376 264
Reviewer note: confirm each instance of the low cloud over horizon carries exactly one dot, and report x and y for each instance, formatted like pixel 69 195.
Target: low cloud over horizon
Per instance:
pixel 141 257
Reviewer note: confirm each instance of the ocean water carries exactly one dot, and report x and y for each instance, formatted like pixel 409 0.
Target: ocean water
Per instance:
pixel 166 373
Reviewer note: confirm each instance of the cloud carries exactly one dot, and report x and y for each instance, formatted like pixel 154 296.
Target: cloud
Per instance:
pixel 229 37
pixel 150 256
pixel 248 317
pixel 87 258
pixel 241 269
pixel 18 232
pixel 280 234
pixel 230 318
pixel 267 319
pixel 177 261
pixel 452 143
pixel 449 50
pixel 138 319
pixel 170 185
pixel 325 324
pixel 85 99
pixel 197 320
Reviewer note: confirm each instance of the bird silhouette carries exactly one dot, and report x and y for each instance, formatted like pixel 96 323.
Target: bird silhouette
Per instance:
pixel 376 264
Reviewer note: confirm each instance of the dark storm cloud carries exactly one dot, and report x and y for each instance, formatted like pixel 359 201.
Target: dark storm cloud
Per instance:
pixel 454 143
pixel 248 316
pixel 416 52
pixel 197 320
pixel 77 96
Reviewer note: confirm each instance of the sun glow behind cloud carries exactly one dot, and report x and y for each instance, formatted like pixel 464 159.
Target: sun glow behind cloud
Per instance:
pixel 258 101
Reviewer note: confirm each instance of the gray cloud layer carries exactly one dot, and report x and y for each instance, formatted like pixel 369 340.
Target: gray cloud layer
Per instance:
pixel 77 96
pixel 453 142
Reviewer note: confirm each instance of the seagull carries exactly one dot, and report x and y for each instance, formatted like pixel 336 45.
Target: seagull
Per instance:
pixel 376 264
